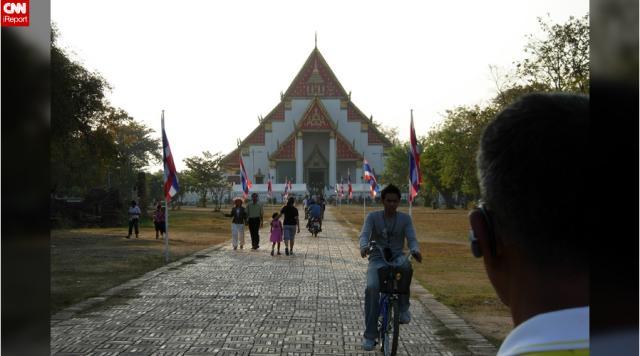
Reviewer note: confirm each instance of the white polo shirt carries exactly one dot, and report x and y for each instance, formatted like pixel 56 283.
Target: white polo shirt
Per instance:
pixel 559 332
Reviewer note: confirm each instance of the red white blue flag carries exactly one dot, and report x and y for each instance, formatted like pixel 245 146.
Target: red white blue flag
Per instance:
pixel 269 193
pixel 366 168
pixel 246 182
pixel 374 189
pixel 415 176
pixel 171 185
pixel 341 193
pixel 350 189
pixel 286 188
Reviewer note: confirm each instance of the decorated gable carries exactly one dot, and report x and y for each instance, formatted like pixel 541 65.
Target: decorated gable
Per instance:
pixel 315 79
pixel 316 118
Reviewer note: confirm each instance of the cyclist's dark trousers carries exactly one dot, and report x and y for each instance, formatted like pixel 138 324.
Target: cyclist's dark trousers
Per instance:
pixel 372 297
pixel 254 226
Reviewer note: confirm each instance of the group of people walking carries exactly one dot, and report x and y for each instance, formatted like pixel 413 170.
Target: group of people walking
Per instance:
pixel 252 216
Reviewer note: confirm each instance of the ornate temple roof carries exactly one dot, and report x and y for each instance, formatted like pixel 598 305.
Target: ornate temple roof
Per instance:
pixel 314 80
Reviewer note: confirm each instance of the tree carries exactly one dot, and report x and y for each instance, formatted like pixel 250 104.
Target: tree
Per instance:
pixel 561 60
pixel 206 175
pixel 155 184
pixel 186 179
pixel 448 161
pixel 92 143
pixel 77 144
pixel 396 167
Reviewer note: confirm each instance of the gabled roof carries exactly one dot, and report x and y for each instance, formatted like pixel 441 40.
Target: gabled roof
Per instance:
pixel 277 114
pixel 256 137
pixel 231 161
pixel 315 78
pixel 316 117
pixel 287 150
pixel 344 149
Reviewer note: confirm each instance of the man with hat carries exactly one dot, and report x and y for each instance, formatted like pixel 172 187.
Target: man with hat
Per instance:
pixel 239 219
pixel 255 213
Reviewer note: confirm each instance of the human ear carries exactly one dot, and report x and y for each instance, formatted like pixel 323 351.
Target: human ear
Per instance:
pixel 482 239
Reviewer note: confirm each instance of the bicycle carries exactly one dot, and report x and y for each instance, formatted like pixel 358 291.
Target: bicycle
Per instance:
pixel 393 282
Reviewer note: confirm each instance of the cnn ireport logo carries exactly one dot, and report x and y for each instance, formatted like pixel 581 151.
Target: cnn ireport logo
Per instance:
pixel 14 13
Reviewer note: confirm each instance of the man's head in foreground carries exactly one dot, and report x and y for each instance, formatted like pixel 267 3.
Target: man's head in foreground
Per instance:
pixel 532 168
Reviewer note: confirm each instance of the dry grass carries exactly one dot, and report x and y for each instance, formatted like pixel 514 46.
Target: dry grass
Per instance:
pixel 86 262
pixel 448 270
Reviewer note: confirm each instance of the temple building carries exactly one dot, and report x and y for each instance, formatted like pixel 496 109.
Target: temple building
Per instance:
pixel 314 137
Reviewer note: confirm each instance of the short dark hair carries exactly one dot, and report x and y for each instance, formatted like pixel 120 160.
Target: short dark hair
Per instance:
pixel 275 215
pixel 390 189
pixel 291 201
pixel 532 169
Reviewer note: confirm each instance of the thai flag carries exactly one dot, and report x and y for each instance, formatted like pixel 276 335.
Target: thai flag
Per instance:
pixel 289 184
pixel 367 171
pixel 373 182
pixel 350 188
pixel 374 189
pixel 286 188
pixel 269 192
pixel 341 193
pixel 415 176
pixel 246 182
pixel 171 186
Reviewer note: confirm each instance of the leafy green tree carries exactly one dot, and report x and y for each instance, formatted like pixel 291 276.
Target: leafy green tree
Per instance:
pixel 187 185
pixel 155 186
pixel 92 143
pixel 206 174
pixel 448 160
pixel 561 59
pixel 396 167
pixel 79 147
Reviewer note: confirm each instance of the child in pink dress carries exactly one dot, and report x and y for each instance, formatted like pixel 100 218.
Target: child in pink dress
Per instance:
pixel 276 232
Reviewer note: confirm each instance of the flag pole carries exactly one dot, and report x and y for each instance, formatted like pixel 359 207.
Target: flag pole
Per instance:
pixel 166 208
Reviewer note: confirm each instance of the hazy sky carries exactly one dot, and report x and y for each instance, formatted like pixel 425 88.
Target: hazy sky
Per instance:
pixel 214 66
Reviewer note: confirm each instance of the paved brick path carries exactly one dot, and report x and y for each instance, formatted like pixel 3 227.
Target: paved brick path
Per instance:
pixel 243 302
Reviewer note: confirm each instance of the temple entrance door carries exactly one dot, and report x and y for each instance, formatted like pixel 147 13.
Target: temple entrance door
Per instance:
pixel 316 180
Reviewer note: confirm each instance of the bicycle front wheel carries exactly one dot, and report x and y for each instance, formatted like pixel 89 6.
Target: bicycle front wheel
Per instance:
pixel 395 325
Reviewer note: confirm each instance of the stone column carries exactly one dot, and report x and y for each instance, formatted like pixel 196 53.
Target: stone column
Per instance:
pixel 299 158
pixel 272 172
pixel 332 158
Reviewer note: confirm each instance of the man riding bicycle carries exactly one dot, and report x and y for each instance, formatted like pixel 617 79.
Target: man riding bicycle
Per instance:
pixel 388 228
pixel 315 212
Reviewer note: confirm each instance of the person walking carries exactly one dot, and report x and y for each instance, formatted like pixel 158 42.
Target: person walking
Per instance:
pixel 238 221
pixel 255 212
pixel 158 221
pixel 276 232
pixel 134 218
pixel 291 220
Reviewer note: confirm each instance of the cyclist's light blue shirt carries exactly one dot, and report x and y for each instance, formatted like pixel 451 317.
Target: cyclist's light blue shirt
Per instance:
pixel 398 228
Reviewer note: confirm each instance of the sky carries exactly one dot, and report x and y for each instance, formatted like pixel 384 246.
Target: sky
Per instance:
pixel 215 66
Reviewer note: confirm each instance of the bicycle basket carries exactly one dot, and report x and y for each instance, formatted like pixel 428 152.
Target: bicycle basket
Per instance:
pixel 387 275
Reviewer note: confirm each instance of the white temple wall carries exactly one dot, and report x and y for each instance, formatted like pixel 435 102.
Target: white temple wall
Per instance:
pixel 256 161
